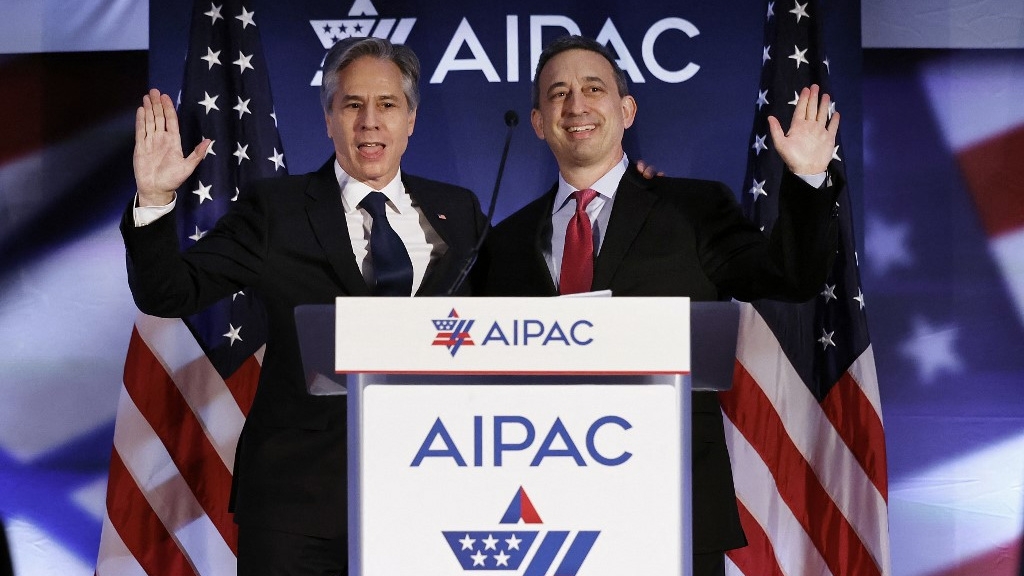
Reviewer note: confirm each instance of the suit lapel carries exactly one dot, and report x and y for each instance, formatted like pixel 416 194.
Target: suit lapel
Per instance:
pixel 541 237
pixel 440 271
pixel 327 218
pixel 633 202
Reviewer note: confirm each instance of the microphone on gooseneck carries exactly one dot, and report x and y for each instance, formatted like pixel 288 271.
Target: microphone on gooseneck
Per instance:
pixel 511 120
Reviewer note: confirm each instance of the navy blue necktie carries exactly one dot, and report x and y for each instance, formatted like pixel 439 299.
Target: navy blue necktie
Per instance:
pixel 392 267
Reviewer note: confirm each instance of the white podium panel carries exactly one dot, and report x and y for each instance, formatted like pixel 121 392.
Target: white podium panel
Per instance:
pixel 513 335
pixel 530 479
pixel 525 436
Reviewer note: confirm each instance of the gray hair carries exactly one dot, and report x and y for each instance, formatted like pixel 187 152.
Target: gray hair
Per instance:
pixel 348 50
pixel 578 43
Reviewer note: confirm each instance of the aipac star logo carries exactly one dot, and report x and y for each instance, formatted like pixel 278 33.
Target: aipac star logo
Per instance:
pixel 453 332
pixel 506 549
pixel 361 23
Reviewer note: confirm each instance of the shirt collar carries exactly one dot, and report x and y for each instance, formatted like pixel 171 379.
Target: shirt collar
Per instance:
pixel 353 191
pixel 605 185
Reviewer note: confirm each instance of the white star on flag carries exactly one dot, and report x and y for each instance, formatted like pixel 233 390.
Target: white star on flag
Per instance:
pixel 829 293
pixel 240 153
pixel 199 234
pixel 203 191
pixel 800 10
pixel 243 62
pixel 826 339
pixel 242 107
pixel 758 189
pixel 762 98
pixel 860 298
pixel 277 159
pixel 759 144
pixel 233 334
pixel 214 13
pixel 209 102
pixel 246 18
pixel 211 57
pixel 799 55
pixel 932 349
pixel 886 243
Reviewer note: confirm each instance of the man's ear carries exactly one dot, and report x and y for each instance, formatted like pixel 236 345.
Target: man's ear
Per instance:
pixel 537 121
pixel 327 124
pixel 412 121
pixel 628 111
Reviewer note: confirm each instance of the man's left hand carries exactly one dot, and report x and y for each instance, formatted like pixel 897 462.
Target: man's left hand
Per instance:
pixel 808 146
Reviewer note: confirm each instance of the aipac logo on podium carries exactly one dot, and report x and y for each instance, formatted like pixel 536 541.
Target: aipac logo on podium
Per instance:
pixel 452 332
pixel 506 550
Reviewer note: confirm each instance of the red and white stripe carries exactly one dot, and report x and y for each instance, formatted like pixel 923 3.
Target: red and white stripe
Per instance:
pixel 810 478
pixel 978 108
pixel 177 426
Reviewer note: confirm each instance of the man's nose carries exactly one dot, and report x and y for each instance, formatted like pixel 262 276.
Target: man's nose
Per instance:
pixel 368 119
pixel 574 103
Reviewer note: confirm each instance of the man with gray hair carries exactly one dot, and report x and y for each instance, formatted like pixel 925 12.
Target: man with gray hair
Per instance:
pixel 358 226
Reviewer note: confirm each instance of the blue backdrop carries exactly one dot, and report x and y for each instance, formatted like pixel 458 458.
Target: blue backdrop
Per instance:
pixel 698 127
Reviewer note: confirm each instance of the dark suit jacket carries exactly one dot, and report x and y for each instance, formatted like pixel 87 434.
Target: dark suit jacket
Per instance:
pixel 683 237
pixel 287 240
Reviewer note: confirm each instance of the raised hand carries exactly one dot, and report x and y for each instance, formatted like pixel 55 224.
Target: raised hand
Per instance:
pixel 160 165
pixel 808 146
pixel 647 171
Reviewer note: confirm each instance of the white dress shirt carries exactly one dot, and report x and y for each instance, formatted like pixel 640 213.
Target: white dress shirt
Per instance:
pixel 599 210
pixel 420 239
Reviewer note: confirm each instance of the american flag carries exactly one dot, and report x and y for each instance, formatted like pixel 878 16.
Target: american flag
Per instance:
pixel 803 419
pixel 189 383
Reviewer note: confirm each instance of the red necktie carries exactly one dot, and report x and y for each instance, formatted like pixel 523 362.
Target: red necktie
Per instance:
pixel 578 257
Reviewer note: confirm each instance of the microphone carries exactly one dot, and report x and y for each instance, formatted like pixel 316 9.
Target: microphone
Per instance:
pixel 511 120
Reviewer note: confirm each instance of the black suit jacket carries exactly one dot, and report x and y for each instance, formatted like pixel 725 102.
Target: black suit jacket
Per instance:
pixel 287 240
pixel 683 237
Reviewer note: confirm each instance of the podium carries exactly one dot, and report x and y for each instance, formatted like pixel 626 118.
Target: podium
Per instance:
pixel 530 436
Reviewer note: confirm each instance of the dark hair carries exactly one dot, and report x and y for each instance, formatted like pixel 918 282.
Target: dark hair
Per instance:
pixel 347 50
pixel 577 43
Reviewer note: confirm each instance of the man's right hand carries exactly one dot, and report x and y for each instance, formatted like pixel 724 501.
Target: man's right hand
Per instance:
pixel 160 165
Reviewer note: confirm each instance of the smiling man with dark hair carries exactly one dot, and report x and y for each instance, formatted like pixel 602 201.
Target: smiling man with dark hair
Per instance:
pixel 602 226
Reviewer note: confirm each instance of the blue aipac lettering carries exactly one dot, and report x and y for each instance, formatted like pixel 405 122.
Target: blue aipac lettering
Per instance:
pixel 511 434
pixel 438 432
pixel 525 332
